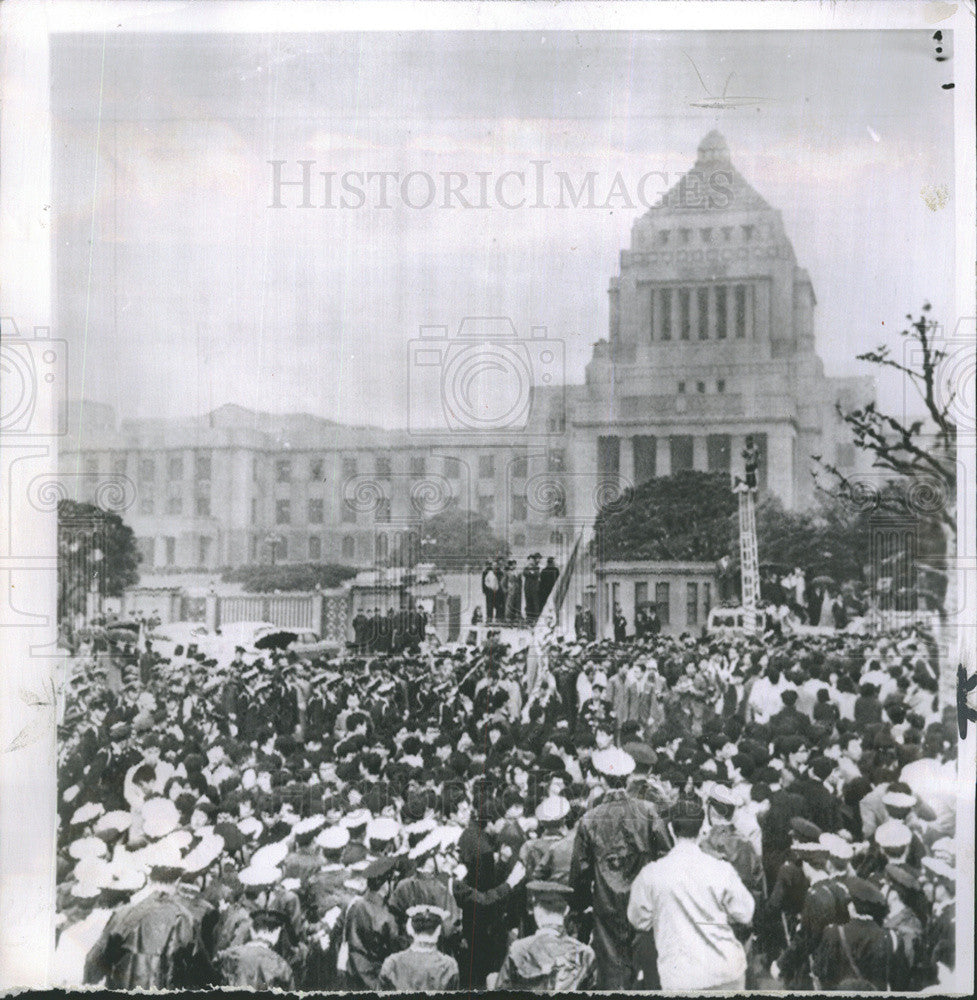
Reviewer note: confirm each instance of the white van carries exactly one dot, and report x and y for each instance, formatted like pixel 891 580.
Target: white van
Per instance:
pixel 732 621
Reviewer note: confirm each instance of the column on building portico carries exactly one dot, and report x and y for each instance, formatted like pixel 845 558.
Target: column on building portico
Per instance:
pixel 780 466
pixel 663 456
pixel 700 454
pixel 731 312
pixel 655 312
pixel 713 302
pixel 737 442
pixel 762 317
pixel 750 311
pixel 626 467
pixel 693 312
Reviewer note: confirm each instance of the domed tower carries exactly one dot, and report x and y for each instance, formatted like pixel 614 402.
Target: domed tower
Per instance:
pixel 711 338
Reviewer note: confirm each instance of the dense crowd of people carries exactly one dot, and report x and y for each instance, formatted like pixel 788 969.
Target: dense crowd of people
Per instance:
pixel 760 812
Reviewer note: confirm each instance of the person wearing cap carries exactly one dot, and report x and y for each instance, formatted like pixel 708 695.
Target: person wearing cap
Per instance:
pixel 551 815
pixel 421 968
pixel 940 937
pixel 548 576
pixel 614 840
pixel 255 964
pixel 370 930
pixel 152 944
pixel 856 954
pixel 907 909
pixel 892 843
pixel 304 858
pixel 355 849
pixel 694 903
pixel 827 865
pixel 723 842
pixel 530 587
pixel 426 886
pixel 550 960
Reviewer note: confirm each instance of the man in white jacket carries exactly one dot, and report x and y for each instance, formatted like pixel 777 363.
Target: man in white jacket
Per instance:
pixel 691 901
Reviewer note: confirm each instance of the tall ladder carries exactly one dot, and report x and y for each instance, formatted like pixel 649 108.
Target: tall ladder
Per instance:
pixel 749 562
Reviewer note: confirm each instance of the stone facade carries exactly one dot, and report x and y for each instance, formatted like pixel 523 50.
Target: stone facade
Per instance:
pixel 711 339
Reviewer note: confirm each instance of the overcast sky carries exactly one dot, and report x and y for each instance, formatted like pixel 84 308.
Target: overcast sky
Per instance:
pixel 183 289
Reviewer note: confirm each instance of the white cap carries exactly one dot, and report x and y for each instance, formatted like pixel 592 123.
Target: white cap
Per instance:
pixel 269 856
pixel 431 842
pixel 88 847
pixel 205 853
pixel 940 868
pixel 333 838
pixel 899 800
pixel 893 834
pixel 85 890
pixel 552 809
pixel 255 875
pixel 722 795
pixel 250 826
pixel 90 869
pixel 309 825
pixel 421 828
pixel 159 817
pixel 837 847
pixel 358 817
pixel 86 813
pixel 383 828
pixel 118 820
pixel 613 762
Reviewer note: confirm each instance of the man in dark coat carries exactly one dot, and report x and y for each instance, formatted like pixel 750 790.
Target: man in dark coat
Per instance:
pixel 255 964
pixel 530 588
pixel 615 840
pixel 153 944
pixel 548 576
pixel 370 929
pixel 857 954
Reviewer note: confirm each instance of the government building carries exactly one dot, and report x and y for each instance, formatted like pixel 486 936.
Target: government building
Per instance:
pixel 711 338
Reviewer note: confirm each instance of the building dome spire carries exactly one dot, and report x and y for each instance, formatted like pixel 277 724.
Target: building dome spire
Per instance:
pixel 713 148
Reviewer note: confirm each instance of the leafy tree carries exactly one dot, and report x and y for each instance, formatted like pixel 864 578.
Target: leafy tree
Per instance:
pixel 917 458
pixel 96 550
pixel 918 454
pixel 263 579
pixel 455 538
pixel 683 516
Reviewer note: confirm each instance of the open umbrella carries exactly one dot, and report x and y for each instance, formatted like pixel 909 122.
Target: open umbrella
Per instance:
pixel 275 640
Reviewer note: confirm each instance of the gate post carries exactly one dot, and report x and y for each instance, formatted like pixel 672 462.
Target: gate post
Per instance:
pixel 212 611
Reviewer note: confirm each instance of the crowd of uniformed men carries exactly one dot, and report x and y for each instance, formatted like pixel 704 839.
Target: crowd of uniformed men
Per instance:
pixel 682 814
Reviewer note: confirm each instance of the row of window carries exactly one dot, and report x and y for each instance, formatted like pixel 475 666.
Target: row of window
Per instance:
pixel 707 234
pixel 173 505
pixel 417 466
pixel 316 513
pixel 681 448
pixel 695 612
pixel 703 310
pixel 147 549
pixel 285 468
pixel 174 465
pixel 700 387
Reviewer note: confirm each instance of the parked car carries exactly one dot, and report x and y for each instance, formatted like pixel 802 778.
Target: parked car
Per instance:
pixel 732 621
pixel 257 638
pixel 169 638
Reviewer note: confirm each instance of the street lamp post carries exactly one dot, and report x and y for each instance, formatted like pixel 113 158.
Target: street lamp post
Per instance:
pixel 273 540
